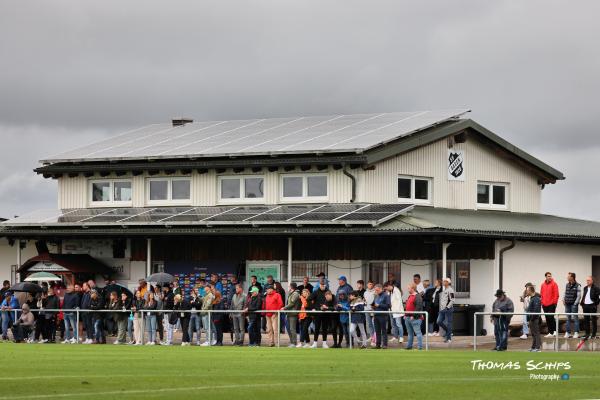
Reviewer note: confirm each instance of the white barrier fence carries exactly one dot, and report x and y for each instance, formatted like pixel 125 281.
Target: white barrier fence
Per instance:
pixel 555 315
pixel 142 314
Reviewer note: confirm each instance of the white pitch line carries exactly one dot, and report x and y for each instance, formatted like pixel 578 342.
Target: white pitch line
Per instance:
pixel 154 391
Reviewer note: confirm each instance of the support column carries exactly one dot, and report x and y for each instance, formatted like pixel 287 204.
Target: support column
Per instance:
pixel 17 275
pixel 289 263
pixel 148 257
pixel 444 260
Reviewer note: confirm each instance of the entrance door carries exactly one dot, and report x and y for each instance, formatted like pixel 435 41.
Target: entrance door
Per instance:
pixel 596 269
pixel 379 271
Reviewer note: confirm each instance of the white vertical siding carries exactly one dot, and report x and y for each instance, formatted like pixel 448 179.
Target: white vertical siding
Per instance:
pixel 377 185
pixel 481 164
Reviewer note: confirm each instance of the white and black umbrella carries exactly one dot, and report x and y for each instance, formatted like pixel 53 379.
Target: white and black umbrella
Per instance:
pixel 160 277
pixel 43 277
pixel 26 287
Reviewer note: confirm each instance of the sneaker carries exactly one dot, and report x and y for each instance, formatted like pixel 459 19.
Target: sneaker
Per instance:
pixel 567 335
pixel 66 341
pixel 549 335
pixel 576 335
pixel 299 345
pixel 314 345
pixel 436 334
pixel 73 341
pixel 431 334
pixel 393 340
pixel 401 340
pixel 198 344
pixel 523 337
pixel 43 341
pixel 117 342
pixel 306 346
pixel 149 343
pixel 214 343
pixel 325 346
pixel 292 345
pixel 205 344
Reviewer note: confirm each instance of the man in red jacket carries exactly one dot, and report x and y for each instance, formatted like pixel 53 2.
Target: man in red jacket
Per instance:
pixel 549 294
pixel 273 301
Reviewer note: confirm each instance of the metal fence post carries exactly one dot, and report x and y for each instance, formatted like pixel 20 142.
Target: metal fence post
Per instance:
pixel 426 331
pixel 143 327
pixel 349 325
pixel 556 344
pixel 278 327
pixel 209 328
pixel 475 331
pixel 76 330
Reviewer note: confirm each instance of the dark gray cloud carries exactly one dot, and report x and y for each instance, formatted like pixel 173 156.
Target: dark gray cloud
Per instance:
pixel 74 71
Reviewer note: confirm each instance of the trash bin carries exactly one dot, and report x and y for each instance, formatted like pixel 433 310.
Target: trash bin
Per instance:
pixel 462 319
pixel 459 320
pixel 471 309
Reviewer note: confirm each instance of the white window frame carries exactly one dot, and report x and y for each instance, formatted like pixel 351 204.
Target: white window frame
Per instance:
pixel 305 197
pixel 412 199
pixel 169 200
pixel 490 204
pixel 242 199
pixel 111 202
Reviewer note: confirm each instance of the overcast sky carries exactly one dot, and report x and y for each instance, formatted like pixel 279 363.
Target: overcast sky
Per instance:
pixel 72 72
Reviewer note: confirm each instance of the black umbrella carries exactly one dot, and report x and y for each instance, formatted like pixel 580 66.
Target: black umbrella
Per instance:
pixel 26 287
pixel 115 287
pixel 160 277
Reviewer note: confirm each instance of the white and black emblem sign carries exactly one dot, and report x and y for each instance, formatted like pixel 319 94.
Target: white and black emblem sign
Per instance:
pixel 456 165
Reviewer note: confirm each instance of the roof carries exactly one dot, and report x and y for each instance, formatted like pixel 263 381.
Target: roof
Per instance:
pixel 302 135
pixel 420 220
pixel 354 140
pixel 76 263
pixel 295 214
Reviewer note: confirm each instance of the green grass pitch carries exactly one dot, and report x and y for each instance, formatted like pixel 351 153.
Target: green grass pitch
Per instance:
pixel 127 372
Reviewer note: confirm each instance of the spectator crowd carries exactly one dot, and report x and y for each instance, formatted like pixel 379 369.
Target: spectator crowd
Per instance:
pixel 367 315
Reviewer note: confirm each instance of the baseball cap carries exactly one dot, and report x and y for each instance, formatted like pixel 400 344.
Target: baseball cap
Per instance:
pixel 253 289
pixel 342 278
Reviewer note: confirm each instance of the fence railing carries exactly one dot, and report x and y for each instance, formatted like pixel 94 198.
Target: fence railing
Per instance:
pixel 141 313
pixel 555 314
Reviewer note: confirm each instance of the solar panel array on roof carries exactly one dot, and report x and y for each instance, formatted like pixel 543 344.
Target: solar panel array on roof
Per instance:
pixel 303 135
pixel 332 214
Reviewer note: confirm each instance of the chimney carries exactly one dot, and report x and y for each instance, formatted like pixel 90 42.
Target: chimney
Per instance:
pixel 181 121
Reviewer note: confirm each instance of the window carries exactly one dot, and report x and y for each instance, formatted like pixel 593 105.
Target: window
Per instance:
pixel 414 189
pixel 169 190
pixel 241 188
pixel 312 187
pixel 460 273
pixel 492 195
pixel 110 192
pixel 379 271
pixel 300 269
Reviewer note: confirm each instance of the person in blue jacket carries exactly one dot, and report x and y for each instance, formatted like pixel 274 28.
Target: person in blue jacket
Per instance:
pixel 343 305
pixel 382 302
pixel 9 303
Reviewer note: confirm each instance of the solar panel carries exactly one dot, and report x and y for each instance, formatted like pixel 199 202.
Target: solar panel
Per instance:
pixel 345 214
pixel 337 133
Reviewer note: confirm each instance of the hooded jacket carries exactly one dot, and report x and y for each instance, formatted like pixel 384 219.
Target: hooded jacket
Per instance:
pixel 273 302
pixel 396 301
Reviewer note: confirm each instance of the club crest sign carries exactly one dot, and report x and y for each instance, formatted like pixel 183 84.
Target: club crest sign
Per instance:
pixel 456 165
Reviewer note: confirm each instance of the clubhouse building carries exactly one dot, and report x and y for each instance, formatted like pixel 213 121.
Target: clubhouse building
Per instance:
pixel 364 196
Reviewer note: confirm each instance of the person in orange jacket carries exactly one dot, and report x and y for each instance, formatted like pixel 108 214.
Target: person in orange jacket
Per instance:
pixel 549 294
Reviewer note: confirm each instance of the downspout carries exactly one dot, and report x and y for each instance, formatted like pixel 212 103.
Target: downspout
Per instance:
pixel 501 261
pixel 353 179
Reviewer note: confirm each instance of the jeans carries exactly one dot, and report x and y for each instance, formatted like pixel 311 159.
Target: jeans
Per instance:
pixel 239 323
pixel 130 328
pixel 6 320
pixel 363 335
pixel 444 321
pixel 413 327
pixel 254 331
pixel 208 324
pixel 88 323
pixel 71 322
pixel 194 325
pixel 550 321
pixel 304 324
pixel 370 325
pixel 501 332
pixel 525 326
pixel 397 329
pixel 122 328
pixel 572 308
pixel 151 327
pixel 98 330
pixel 381 330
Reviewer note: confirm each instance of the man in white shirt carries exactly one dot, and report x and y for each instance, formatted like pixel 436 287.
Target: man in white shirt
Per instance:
pixel 589 302
pixel 417 281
